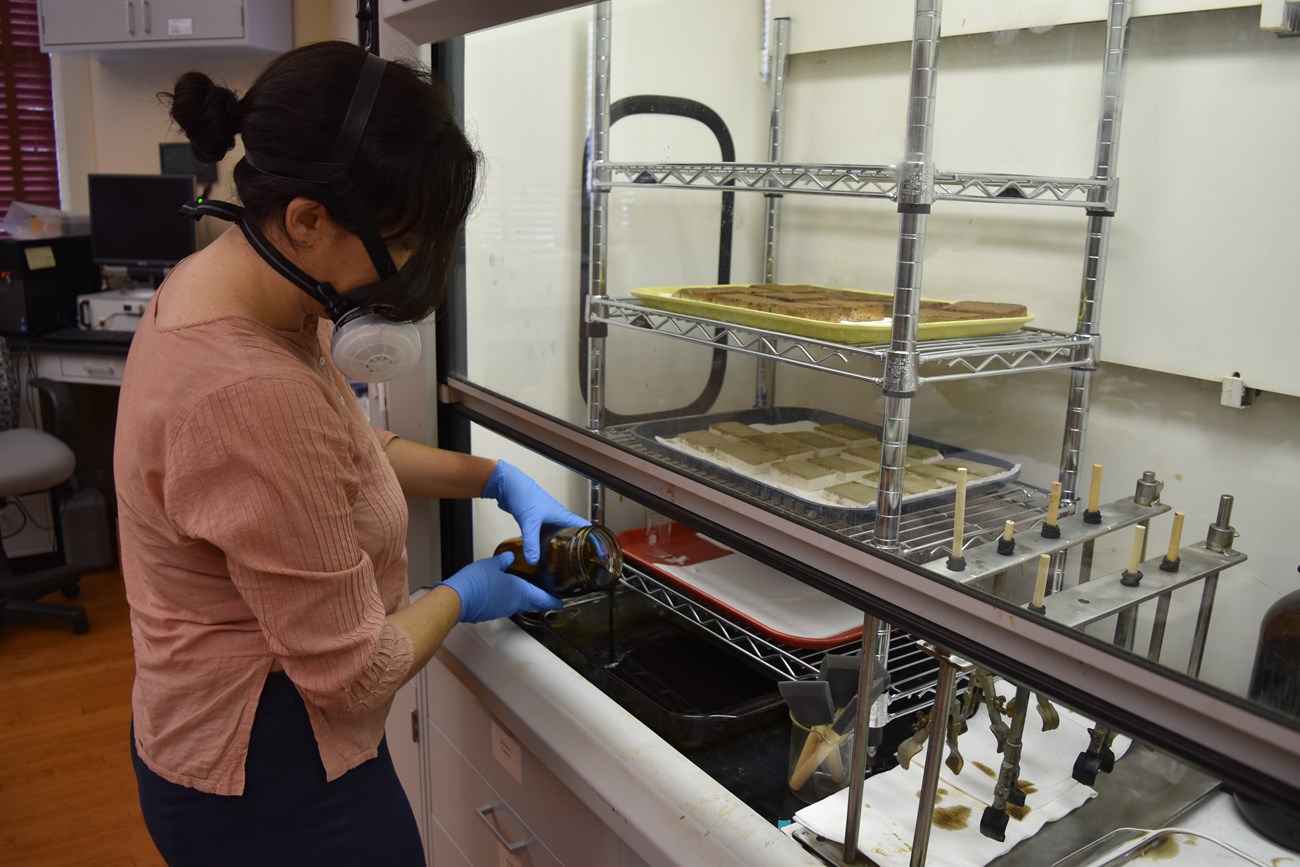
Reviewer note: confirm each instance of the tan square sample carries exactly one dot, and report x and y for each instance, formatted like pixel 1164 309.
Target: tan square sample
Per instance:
pixel 734 430
pixel 852 494
pixel 802 475
pixel 784 445
pixel 848 434
pixel 746 456
pixel 844 469
pixel 702 441
pixel 821 444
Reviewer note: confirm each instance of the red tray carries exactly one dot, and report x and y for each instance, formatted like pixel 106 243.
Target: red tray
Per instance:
pixel 750 593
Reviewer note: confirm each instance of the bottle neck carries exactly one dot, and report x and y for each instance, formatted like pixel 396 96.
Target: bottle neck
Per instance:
pixel 593 557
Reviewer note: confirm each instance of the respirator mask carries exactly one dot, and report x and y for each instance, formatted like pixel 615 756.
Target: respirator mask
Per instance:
pixel 375 339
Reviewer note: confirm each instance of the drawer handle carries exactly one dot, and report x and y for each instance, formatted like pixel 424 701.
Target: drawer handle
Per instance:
pixel 485 812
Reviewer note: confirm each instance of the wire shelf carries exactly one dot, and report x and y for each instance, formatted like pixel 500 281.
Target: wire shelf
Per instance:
pixel 1029 349
pixel 913 673
pixel 858 181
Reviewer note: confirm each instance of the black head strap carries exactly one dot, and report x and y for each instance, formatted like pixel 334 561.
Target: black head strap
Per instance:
pixel 336 306
pixel 335 172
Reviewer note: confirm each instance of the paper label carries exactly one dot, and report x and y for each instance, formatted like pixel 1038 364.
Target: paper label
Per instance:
pixel 39 257
pixel 180 26
pixel 505 750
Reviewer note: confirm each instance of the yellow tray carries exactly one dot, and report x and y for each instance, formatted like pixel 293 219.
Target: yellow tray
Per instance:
pixel 661 297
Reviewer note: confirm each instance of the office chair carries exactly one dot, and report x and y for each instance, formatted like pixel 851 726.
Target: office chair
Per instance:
pixel 31 461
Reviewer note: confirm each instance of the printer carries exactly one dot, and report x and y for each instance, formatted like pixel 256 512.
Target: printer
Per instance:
pixel 40 280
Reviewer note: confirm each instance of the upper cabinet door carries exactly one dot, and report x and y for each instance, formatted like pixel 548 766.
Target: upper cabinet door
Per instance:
pixel 76 22
pixel 191 19
pixel 117 27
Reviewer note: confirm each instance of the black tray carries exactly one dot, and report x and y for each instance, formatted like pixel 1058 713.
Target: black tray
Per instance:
pixel 692 690
pixel 646 434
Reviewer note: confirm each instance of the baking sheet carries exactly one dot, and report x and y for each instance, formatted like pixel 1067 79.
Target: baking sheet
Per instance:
pixel 751 593
pixel 656 435
pixel 661 297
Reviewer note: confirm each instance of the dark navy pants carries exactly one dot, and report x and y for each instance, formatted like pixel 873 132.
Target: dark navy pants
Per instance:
pixel 288 814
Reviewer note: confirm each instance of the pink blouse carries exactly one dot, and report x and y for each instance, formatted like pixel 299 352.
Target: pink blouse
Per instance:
pixel 260 523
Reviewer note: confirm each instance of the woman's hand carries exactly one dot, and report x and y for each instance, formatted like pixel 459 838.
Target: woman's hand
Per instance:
pixel 531 507
pixel 487 591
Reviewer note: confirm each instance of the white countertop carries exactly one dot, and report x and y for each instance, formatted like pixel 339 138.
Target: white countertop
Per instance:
pixel 671 812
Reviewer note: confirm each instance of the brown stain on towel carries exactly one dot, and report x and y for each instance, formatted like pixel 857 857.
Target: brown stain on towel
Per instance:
pixel 952 818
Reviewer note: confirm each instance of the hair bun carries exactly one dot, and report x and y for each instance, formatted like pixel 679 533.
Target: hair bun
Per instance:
pixel 207 113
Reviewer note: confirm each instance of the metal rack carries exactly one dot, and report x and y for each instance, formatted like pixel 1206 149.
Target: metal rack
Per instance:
pixel 913 185
pixel 1026 350
pixel 864 182
pixel 903 364
pixel 912 671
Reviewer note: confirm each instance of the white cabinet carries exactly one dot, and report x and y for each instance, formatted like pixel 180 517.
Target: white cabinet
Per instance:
pixel 107 28
pixel 492 800
pixel 403 734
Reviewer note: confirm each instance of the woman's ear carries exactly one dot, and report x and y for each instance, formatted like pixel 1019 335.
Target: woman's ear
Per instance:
pixel 305 221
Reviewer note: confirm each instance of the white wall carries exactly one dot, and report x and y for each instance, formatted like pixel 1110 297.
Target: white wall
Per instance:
pixel 1203 207
pixel 1200 244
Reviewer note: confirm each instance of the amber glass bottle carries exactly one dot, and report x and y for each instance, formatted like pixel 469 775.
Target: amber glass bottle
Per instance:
pixel 1275 681
pixel 575 560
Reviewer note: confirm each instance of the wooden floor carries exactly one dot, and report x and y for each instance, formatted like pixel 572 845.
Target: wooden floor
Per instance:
pixel 67 791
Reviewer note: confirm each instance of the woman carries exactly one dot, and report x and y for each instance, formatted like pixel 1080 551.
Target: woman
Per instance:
pixel 263 521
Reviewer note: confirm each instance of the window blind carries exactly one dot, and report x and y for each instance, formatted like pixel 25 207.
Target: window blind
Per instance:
pixel 28 164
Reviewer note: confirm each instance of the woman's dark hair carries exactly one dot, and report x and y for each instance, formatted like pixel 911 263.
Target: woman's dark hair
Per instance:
pixel 414 169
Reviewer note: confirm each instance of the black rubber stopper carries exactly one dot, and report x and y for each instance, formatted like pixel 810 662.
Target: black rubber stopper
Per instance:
pixel 993 824
pixel 1037 609
pixel 956 564
pixel 1086 767
pixel 1006 546
pixel 1051 531
pixel 1092 516
pixel 1130 579
pixel 1167 565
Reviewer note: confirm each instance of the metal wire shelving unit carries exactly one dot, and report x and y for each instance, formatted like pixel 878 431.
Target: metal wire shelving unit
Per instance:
pixel 904 364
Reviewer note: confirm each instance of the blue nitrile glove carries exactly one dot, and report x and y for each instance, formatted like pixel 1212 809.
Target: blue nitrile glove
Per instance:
pixel 487 591
pixel 531 507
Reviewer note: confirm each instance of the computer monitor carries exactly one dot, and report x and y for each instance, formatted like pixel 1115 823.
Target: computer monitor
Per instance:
pixel 177 158
pixel 135 221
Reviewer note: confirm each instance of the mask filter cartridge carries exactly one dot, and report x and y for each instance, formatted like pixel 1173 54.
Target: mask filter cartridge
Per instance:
pixel 370 348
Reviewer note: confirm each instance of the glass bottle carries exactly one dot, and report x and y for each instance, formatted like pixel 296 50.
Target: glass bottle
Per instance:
pixel 1275 681
pixel 575 560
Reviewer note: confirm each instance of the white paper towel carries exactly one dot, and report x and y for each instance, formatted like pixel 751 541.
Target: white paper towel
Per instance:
pixel 890 799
